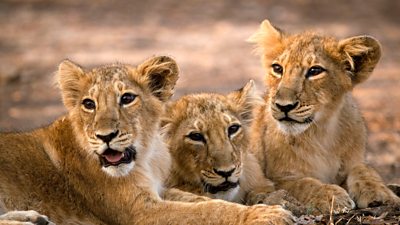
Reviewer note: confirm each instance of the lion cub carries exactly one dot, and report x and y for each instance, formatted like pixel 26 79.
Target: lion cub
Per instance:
pixel 105 161
pixel 208 138
pixel 310 132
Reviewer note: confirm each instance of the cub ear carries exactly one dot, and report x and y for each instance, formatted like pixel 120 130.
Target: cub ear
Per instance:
pixel 246 99
pixel 70 76
pixel 361 53
pixel 161 74
pixel 266 37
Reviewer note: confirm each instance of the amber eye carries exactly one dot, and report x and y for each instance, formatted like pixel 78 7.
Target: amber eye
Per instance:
pixel 88 104
pixel 233 129
pixel 127 98
pixel 314 71
pixel 195 136
pixel 278 69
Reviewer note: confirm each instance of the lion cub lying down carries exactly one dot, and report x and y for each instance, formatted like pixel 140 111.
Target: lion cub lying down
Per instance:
pixel 208 138
pixel 310 132
pixel 105 162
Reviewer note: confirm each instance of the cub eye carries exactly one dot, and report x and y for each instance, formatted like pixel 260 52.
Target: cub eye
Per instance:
pixel 88 104
pixel 195 136
pixel 314 71
pixel 233 129
pixel 127 98
pixel 278 69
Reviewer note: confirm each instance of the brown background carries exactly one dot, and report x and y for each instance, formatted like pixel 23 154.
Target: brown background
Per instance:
pixel 207 40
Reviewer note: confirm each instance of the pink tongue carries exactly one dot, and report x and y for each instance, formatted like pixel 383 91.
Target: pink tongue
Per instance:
pixel 114 157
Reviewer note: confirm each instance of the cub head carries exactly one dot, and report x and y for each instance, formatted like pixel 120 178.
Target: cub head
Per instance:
pixel 207 135
pixel 115 109
pixel 307 75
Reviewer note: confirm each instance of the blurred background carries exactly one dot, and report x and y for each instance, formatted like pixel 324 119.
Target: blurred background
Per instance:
pixel 207 38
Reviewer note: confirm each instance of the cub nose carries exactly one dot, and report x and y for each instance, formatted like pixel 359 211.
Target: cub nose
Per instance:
pixel 287 108
pixel 225 174
pixel 107 138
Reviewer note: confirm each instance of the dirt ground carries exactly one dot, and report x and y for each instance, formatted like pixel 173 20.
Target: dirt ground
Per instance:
pixel 207 38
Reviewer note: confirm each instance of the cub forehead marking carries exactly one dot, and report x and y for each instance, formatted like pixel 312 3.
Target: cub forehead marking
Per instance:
pixel 94 91
pixel 283 59
pixel 226 118
pixel 118 74
pixel 198 125
pixel 310 59
pixel 119 86
pixel 305 60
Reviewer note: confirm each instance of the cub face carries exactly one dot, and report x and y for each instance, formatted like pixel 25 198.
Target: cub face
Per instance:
pixel 115 108
pixel 207 135
pixel 307 75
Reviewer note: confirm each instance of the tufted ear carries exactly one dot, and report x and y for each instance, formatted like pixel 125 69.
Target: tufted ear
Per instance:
pixel 361 53
pixel 265 37
pixel 161 74
pixel 246 99
pixel 70 76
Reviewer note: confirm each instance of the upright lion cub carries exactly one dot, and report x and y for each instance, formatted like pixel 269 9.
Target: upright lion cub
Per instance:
pixel 310 132
pixel 208 136
pixel 105 161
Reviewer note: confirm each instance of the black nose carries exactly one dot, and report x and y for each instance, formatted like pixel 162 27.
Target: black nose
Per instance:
pixel 107 138
pixel 225 174
pixel 287 108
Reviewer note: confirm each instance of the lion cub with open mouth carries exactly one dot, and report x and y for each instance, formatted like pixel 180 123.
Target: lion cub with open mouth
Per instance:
pixel 310 132
pixel 209 139
pixel 105 161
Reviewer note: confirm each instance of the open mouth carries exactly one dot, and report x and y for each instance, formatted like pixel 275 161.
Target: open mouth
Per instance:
pixel 225 186
pixel 288 119
pixel 111 157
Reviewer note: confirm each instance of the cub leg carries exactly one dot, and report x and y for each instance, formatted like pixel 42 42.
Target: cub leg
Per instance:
pixel 174 194
pixel 216 212
pixel 366 187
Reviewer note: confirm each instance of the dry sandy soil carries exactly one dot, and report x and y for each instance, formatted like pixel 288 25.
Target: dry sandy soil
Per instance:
pixel 207 38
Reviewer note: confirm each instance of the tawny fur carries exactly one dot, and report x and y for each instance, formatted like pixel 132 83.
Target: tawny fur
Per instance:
pixel 56 170
pixel 322 155
pixel 195 163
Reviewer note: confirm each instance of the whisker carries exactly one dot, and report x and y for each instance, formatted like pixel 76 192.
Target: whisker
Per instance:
pixel 122 140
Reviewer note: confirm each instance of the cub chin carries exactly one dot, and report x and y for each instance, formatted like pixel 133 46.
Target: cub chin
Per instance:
pixel 310 133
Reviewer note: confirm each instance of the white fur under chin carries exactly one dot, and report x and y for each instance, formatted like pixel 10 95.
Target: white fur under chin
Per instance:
pixel 119 171
pixel 231 195
pixel 294 128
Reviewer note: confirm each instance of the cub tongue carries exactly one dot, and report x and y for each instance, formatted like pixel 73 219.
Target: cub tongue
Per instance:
pixel 114 156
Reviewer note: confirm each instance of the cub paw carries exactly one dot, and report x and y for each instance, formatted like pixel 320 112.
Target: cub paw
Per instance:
pixel 26 216
pixel 330 197
pixel 259 198
pixel 279 197
pixel 287 201
pixel 373 194
pixel 263 214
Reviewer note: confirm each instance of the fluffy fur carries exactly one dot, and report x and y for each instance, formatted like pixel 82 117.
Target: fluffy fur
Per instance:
pixel 220 156
pixel 310 132
pixel 64 171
